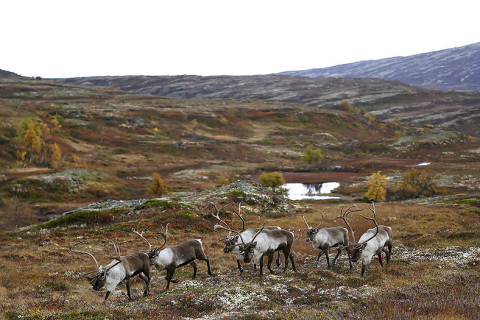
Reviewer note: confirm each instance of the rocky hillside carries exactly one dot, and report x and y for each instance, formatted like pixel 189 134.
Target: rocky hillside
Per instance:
pixel 8 75
pixel 388 99
pixel 321 92
pixel 449 69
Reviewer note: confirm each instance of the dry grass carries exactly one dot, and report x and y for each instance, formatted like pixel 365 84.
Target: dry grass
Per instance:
pixel 38 279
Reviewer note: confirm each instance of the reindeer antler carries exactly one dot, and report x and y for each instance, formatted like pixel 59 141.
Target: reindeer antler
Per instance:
pixel 215 227
pixel 84 252
pixel 240 216
pixel 343 215
pixel 259 231
pixel 217 216
pixel 308 226
pixel 164 235
pixel 141 235
pixel 374 219
pixel 117 251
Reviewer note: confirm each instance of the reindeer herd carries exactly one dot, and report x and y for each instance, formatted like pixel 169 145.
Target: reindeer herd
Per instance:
pixel 248 245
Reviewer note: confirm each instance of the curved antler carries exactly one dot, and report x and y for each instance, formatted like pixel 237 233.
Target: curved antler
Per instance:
pixel 320 222
pixel 374 219
pixel 84 252
pixel 141 235
pixel 217 216
pixel 343 215
pixel 117 251
pixel 308 226
pixel 215 227
pixel 259 231
pixel 240 216
pixel 164 235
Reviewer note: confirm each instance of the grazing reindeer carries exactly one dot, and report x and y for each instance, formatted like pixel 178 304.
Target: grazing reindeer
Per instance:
pixel 265 243
pixel 326 238
pixel 175 257
pixel 372 242
pixel 121 269
pixel 232 242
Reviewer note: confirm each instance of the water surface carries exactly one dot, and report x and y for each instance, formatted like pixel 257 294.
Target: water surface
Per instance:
pixel 311 191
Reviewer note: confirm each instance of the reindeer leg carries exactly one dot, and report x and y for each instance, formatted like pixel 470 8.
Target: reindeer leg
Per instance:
pixel 145 277
pixel 209 270
pixel 349 258
pixel 127 283
pixel 170 273
pixel 389 253
pixel 380 258
pixel 293 262
pixel 269 263
pixel 336 257
pixel 328 259
pixel 239 266
pixel 318 258
pixel 106 296
pixel 194 266
pixel 363 269
pixel 279 261
pixel 286 253
pixel 261 267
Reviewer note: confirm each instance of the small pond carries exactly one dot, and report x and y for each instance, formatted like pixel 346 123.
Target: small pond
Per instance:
pixel 311 191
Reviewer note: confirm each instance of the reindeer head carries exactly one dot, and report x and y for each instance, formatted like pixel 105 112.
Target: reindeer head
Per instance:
pixel 230 243
pixel 311 232
pixel 359 247
pixel 357 251
pixel 97 281
pixel 247 249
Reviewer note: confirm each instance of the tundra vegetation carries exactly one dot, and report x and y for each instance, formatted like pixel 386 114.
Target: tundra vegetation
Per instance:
pixel 98 189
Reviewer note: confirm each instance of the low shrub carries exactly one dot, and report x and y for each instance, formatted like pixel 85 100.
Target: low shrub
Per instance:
pixel 88 217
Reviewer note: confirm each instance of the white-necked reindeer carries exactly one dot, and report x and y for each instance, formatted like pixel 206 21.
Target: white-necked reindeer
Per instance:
pixel 265 243
pixel 176 256
pixel 122 268
pixel 327 238
pixel 232 243
pixel 372 242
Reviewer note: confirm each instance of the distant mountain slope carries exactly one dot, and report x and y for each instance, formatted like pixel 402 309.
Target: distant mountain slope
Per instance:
pixel 8 74
pixel 318 92
pixel 456 68
pixel 387 99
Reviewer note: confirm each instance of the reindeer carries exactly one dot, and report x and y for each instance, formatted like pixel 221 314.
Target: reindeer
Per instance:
pixel 267 243
pixel 372 242
pixel 175 257
pixel 326 238
pixel 232 242
pixel 122 268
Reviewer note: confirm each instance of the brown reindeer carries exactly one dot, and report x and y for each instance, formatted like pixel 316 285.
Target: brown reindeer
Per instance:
pixel 176 256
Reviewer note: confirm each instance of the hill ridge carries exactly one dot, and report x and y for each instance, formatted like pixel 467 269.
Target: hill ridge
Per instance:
pixel 448 69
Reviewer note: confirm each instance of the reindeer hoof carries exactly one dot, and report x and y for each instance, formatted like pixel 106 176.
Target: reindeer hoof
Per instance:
pixel 175 280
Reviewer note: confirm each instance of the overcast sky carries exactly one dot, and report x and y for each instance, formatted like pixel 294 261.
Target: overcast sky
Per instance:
pixel 68 38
